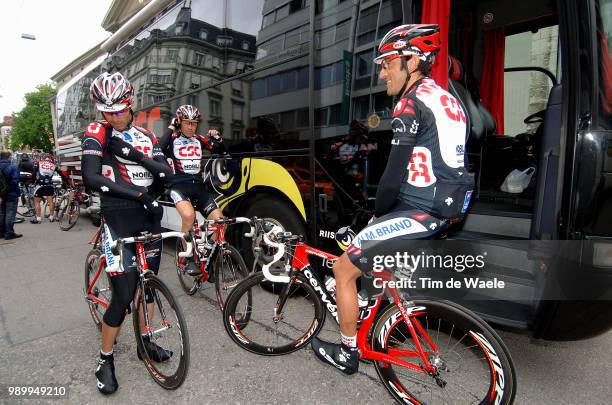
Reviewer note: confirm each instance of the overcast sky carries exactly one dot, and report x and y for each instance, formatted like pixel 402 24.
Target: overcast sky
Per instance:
pixel 64 30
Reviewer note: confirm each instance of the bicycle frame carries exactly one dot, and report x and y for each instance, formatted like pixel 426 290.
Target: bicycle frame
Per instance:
pixel 301 263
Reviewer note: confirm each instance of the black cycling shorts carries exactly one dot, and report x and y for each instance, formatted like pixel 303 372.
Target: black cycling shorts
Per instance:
pixel 403 224
pixel 195 193
pixel 43 191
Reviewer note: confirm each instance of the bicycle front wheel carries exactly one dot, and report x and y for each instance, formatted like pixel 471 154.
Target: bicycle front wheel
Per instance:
pixel 168 331
pixel 230 269
pixel 69 214
pixel 100 290
pixel 473 364
pixel 269 323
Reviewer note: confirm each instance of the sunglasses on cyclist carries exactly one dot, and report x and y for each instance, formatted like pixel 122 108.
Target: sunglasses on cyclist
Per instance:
pixel 119 113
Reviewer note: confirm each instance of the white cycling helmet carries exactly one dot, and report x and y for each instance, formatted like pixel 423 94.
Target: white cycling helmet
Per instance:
pixel 112 92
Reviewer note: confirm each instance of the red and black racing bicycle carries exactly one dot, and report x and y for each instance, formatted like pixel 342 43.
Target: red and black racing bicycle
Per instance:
pixel 424 350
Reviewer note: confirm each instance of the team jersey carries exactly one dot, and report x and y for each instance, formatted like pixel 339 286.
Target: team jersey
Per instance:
pixel 186 155
pixel 131 178
pixel 44 173
pixel 436 180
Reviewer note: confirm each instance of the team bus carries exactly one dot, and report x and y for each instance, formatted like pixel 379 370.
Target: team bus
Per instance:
pixel 292 87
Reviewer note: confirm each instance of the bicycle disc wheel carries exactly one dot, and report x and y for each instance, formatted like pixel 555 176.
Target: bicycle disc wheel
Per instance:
pixel 169 331
pixel 474 366
pixel 189 283
pixel 255 328
pixel 102 288
pixel 70 215
pixel 230 269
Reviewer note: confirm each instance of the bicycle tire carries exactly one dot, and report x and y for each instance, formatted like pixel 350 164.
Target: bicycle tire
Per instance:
pixel 228 262
pixel 493 357
pixel 188 283
pixel 244 331
pixel 71 213
pixel 180 349
pixel 102 288
pixel 60 208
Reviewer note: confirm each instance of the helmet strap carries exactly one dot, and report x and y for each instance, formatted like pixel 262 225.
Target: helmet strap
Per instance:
pixel 405 86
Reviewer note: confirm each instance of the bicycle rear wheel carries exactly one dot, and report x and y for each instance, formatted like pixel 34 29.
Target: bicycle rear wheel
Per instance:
pixel 168 330
pixel 102 288
pixel 249 316
pixel 474 366
pixel 230 270
pixel 69 215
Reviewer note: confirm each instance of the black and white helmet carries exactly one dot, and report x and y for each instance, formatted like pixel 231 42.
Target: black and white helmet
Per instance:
pixel 112 92
pixel 189 113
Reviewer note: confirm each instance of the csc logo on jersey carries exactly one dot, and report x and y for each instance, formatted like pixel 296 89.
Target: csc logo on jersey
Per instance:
pixel 187 151
pixel 452 108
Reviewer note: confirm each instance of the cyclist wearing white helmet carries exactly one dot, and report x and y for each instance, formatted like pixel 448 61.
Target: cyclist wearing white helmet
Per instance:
pixel 121 162
pixel 184 147
pixel 425 183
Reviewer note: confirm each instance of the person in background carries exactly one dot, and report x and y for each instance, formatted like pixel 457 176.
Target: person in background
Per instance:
pixel 10 197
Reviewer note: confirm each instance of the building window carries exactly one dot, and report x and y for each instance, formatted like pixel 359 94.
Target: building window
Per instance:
pixel 215 107
pixel 237 87
pixel 161 76
pixel 258 89
pixel 274 85
pixel 287 121
pixel 156 99
pixel 192 99
pixel 320 117
pixel 366 26
pixel 178 30
pixel 302 118
pixel 237 112
pixel 195 81
pixel 172 55
pixel 282 12
pixel 268 19
pixel 334 114
pixel 289 80
pixel 199 59
pixel 236 134
pixel 302 78
pixel 203 35
pixel 361 107
pixel 224 41
pixel 364 64
pixel 245 45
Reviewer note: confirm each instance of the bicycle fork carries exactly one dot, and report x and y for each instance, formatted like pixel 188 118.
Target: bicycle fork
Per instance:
pixel 140 253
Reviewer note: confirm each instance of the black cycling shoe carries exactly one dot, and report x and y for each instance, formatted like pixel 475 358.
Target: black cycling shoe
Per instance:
pixel 192 268
pixel 105 375
pixel 340 356
pixel 155 352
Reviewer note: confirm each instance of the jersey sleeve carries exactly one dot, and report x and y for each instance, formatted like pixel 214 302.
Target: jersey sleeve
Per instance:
pixel 92 146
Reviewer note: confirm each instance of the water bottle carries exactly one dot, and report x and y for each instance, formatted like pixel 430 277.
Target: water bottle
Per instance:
pixel 330 286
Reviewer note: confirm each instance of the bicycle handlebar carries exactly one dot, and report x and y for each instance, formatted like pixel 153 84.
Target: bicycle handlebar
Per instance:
pixel 148 238
pixel 277 256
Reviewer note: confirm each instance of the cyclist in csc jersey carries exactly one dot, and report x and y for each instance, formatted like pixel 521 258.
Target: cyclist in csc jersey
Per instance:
pixel 44 188
pixel 122 161
pixel 184 148
pixel 425 183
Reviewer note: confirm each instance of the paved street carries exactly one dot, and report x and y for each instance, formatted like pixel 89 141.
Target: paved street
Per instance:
pixel 47 336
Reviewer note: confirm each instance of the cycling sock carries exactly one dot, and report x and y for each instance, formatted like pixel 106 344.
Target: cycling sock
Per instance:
pixel 38 219
pixel 349 341
pixel 104 355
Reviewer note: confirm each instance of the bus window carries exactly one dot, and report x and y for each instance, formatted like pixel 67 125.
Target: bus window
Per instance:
pixel 604 47
pixel 526 93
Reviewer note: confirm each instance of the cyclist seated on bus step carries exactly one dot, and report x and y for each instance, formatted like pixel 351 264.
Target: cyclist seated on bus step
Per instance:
pixel 184 148
pixel 44 187
pixel 425 183
pixel 122 162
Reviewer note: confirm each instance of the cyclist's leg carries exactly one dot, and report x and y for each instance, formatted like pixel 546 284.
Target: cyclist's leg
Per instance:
pixel 124 281
pixel 210 209
pixel 183 205
pixel 37 197
pixel 51 205
pixel 401 224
